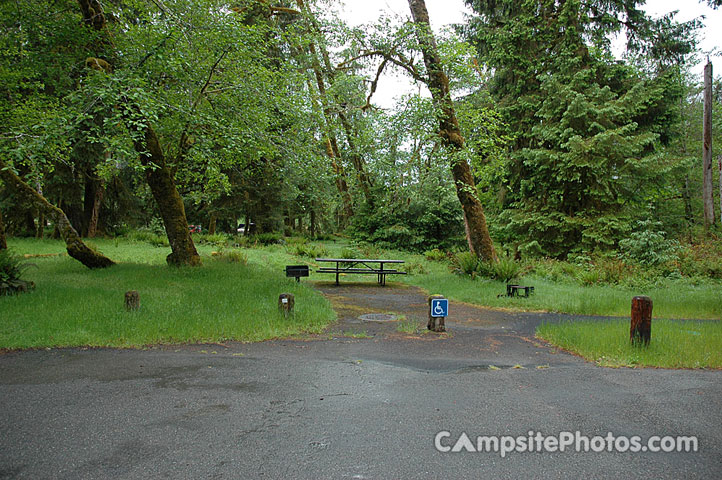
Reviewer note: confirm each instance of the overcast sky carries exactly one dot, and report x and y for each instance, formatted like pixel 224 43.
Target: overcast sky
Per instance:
pixel 444 12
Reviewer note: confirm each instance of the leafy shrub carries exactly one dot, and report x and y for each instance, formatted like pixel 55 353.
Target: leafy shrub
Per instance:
pixel 270 238
pixel 348 252
pixel 415 268
pixel 420 222
pixel 435 255
pixel 505 269
pixel 11 269
pixel 308 250
pixel 701 260
pixel 465 263
pixel 590 276
pixel 648 245
pixel 554 270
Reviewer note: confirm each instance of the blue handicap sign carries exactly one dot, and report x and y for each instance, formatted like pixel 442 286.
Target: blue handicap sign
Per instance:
pixel 439 307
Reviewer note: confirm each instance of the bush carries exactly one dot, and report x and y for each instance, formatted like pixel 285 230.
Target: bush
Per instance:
pixel 348 252
pixel 422 221
pixel 465 263
pixel 308 250
pixel 506 269
pixel 701 260
pixel 648 246
pixel 435 255
pixel 11 269
pixel 270 238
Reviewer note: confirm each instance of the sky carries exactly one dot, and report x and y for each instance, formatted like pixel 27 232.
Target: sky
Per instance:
pixel 445 12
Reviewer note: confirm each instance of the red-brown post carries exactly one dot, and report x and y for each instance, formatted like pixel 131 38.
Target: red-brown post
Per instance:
pixel 286 302
pixel 640 331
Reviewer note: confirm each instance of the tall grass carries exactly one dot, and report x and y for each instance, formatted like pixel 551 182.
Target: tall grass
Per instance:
pixel 220 301
pixel 674 344
pixel 674 299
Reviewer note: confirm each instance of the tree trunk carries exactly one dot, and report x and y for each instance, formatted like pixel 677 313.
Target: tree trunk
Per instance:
pixel 158 176
pixel 312 223
pixel 212 224
pixel 75 246
pixel 94 192
pixel 477 232
pixel 170 203
pixel 3 241
pixel 40 231
pixel 707 183
pixel 341 185
pixel 719 170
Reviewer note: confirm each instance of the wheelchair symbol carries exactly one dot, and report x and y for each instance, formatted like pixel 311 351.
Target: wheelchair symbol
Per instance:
pixel 439 307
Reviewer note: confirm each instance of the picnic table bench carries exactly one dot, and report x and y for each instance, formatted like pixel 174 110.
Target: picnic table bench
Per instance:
pixel 361 266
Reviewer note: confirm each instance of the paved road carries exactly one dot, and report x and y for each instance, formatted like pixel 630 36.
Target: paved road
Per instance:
pixel 344 408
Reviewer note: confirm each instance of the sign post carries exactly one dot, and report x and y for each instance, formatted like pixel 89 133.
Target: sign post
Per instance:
pixel 438 311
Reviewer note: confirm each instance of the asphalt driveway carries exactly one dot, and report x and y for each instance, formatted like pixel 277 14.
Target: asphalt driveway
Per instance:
pixel 340 407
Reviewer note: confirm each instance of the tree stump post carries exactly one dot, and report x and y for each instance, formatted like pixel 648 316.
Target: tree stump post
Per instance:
pixel 640 331
pixel 286 301
pixel 435 324
pixel 132 300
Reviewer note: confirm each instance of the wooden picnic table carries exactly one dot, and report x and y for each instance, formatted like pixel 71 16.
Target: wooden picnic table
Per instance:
pixel 360 266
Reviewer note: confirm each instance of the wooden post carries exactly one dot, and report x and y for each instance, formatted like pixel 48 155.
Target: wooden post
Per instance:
pixel 640 331
pixel 435 324
pixel 132 300
pixel 286 302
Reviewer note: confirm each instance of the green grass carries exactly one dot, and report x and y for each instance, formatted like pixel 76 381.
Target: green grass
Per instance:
pixel 674 344
pixel 674 299
pixel 74 306
pixel 408 326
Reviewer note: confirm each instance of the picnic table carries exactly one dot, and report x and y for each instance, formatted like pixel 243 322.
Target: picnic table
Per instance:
pixel 361 266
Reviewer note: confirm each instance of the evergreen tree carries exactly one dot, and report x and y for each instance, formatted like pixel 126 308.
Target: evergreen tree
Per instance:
pixel 585 124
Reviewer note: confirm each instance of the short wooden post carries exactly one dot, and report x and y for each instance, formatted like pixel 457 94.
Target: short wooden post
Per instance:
pixel 286 302
pixel 640 331
pixel 435 324
pixel 132 300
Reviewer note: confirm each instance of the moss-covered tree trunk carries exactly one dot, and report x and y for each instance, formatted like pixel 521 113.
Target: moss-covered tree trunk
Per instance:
pixel 75 246
pixel 162 186
pixel 477 232
pixel 3 242
pixel 157 173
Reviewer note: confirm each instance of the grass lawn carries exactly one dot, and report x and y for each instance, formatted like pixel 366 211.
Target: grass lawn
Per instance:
pixel 74 306
pixel 675 299
pixel 674 344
